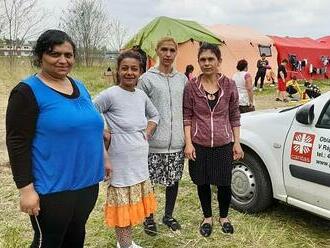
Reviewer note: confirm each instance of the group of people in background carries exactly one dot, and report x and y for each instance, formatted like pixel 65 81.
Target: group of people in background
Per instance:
pixel 155 119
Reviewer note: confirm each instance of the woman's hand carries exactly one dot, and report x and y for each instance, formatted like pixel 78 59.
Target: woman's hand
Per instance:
pixel 237 151
pixel 189 151
pixel 29 200
pixel 106 138
pixel 107 168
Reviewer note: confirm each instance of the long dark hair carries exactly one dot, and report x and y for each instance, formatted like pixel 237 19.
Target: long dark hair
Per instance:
pixel 46 42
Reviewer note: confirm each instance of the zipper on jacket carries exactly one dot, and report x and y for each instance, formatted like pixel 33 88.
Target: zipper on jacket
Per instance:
pixel 226 131
pixel 170 93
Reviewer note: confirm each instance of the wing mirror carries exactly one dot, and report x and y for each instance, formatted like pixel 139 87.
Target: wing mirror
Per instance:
pixel 305 114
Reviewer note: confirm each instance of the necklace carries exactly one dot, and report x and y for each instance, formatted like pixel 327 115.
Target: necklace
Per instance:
pixel 211 96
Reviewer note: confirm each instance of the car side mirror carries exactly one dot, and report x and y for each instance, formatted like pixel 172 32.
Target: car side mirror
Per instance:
pixel 305 114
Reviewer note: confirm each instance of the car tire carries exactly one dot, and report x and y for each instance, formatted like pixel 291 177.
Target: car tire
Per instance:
pixel 251 186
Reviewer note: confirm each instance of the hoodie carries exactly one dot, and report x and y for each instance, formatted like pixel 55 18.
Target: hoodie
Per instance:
pixel 211 128
pixel 166 93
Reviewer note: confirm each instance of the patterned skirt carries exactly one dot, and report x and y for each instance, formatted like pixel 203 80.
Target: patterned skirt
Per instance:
pixel 165 168
pixel 129 206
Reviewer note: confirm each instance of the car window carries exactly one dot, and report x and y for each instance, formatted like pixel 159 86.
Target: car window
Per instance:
pixel 324 120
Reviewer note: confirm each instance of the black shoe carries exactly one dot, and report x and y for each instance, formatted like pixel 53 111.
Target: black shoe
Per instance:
pixel 150 226
pixel 205 229
pixel 171 223
pixel 227 228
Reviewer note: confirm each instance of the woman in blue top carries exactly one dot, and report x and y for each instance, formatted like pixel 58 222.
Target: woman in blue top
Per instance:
pixel 55 145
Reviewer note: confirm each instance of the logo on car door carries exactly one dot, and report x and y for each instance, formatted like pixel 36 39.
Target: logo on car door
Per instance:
pixel 302 147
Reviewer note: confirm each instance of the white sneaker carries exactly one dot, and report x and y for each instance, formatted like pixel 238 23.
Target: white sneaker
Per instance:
pixel 254 88
pixel 133 245
pixel 260 89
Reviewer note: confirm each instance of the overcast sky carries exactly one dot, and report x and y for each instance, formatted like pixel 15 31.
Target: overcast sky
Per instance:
pixel 297 18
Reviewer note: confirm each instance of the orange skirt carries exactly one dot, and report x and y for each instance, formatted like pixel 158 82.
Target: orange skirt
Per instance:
pixel 129 206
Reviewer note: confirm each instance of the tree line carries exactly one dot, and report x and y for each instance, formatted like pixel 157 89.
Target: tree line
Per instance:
pixel 88 22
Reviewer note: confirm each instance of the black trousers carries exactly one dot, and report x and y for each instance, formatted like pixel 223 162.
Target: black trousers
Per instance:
pixel 62 218
pixel 261 75
pixel 224 198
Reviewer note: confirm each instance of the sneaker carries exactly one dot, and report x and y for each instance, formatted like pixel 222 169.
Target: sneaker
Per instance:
pixel 260 89
pixel 171 223
pixel 254 88
pixel 278 99
pixel 133 245
pixel 150 226
pixel 285 100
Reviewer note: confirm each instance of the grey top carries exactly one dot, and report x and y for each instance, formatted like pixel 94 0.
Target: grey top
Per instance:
pixel 166 93
pixel 127 114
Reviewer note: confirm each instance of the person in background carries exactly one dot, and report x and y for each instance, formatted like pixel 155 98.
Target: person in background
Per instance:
pixel 132 118
pixel 212 133
pixel 244 86
pixel 281 86
pixel 189 72
pixel 164 85
pixel 261 73
pixel 55 145
pixel 292 87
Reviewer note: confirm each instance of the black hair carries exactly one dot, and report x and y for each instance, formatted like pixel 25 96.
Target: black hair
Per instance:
pixel 128 54
pixel 189 69
pixel 285 61
pixel 212 47
pixel 46 42
pixel 241 65
pixel 263 54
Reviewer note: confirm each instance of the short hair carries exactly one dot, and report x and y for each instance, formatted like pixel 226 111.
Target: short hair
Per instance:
pixel 285 61
pixel 46 42
pixel 241 64
pixel 128 54
pixel 212 47
pixel 263 55
pixel 166 39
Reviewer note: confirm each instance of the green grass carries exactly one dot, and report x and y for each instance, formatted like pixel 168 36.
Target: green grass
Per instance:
pixel 280 226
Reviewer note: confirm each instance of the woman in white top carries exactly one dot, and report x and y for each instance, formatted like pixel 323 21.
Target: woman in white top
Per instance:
pixel 244 85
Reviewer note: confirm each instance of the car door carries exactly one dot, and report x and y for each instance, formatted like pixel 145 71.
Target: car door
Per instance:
pixel 306 161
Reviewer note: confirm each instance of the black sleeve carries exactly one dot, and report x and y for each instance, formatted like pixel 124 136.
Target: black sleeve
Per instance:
pixel 21 117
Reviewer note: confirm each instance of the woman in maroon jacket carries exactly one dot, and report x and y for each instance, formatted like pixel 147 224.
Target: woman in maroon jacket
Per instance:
pixel 212 130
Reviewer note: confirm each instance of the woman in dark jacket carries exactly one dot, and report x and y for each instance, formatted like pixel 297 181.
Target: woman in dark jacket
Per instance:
pixel 212 130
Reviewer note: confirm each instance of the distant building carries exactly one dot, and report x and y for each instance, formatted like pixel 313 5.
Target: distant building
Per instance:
pixel 25 50
pixel 112 55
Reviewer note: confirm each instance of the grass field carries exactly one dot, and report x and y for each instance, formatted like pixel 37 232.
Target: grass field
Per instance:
pixel 280 226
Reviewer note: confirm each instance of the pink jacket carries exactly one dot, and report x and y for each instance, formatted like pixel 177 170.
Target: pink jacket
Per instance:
pixel 211 128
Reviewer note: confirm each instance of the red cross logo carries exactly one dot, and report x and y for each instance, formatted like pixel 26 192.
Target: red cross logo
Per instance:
pixel 302 147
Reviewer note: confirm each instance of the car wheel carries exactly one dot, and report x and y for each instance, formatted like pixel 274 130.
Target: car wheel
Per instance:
pixel 251 186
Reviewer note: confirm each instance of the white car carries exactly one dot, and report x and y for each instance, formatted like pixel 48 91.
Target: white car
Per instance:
pixel 287 157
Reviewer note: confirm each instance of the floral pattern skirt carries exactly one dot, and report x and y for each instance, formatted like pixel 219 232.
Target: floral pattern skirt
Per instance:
pixel 166 168
pixel 129 206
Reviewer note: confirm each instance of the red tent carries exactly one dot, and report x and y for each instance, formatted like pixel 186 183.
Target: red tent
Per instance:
pixel 306 56
pixel 325 40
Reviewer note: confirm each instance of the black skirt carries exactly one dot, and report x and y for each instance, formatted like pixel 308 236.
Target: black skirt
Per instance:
pixel 213 165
